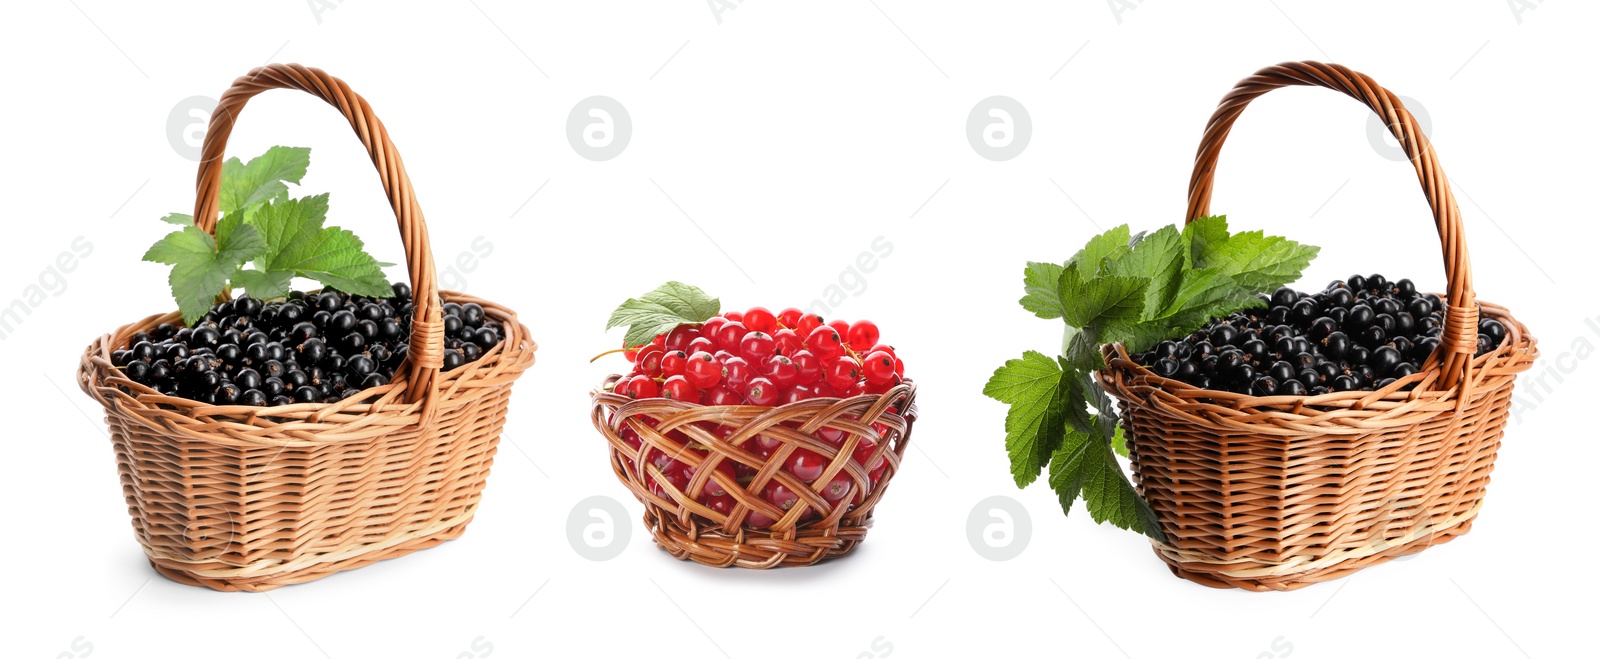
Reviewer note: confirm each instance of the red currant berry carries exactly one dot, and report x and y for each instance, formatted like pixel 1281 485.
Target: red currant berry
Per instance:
pixel 758 520
pixel 642 387
pixel 862 335
pixel 788 342
pixel 757 347
pixel 679 337
pixel 807 323
pixel 761 391
pixel 843 328
pixel 673 363
pixel 838 488
pixel 789 317
pixel 729 335
pixel 863 454
pixel 878 367
pixel 721 504
pixel 808 367
pixel 780 495
pixel 758 319
pixel 805 464
pixel 737 373
pixel 824 342
pixel 708 329
pixel 703 370
pixel 793 395
pixel 782 371
pixel 719 395
pixel 843 372
pixel 701 344
pixel 677 387
pixel 650 361
pixel 629 436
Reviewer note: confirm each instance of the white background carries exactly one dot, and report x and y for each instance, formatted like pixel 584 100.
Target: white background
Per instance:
pixel 789 136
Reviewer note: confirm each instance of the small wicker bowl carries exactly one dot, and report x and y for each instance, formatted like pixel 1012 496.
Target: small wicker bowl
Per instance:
pixel 810 532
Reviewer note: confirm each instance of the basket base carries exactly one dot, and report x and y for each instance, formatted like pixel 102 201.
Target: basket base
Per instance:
pixel 1215 577
pixel 756 550
pixel 271 575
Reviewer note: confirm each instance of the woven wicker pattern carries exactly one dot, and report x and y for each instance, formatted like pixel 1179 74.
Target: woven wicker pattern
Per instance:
pixel 678 521
pixel 1277 493
pixel 254 498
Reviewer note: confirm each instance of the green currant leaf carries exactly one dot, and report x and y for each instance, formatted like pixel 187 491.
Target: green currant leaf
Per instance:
pixel 1033 386
pixel 662 310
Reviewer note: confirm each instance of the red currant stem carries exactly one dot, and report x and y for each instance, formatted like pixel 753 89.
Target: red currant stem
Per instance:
pixel 608 352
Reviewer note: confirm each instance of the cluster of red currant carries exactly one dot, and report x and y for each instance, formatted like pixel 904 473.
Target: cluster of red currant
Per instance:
pixel 760 358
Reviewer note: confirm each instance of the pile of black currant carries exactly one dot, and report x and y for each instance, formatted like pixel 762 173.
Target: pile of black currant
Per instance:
pixel 315 347
pixel 1360 334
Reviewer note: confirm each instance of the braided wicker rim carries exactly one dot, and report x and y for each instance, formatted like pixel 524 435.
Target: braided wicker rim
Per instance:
pixel 679 523
pixel 233 497
pixel 1437 430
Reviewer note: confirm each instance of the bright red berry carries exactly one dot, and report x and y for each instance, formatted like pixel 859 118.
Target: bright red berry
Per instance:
pixel 843 328
pixel 737 373
pixel 761 391
pixel 838 488
pixel 729 335
pixel 720 395
pixel 758 319
pixel 673 363
pixel 808 367
pixel 782 372
pixel 825 342
pixel 862 335
pixel 807 323
pixel 788 342
pixel 677 387
pixel 878 367
pixel 805 464
pixel 642 387
pixel 790 317
pixel 757 347
pixel 780 495
pixel 703 370
pixel 679 337
pixel 843 372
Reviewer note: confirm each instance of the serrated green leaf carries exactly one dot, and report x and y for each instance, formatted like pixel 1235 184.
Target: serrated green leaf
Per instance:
pixel 662 310
pixel 1083 350
pixel 1109 298
pixel 298 244
pixel 1100 247
pixel 201 264
pixel 1034 387
pixel 262 179
pixel 1086 465
pixel 1157 257
pixel 1205 235
pixel 180 219
pixel 1258 262
pixel 263 285
pixel 1041 292
pixel 1119 442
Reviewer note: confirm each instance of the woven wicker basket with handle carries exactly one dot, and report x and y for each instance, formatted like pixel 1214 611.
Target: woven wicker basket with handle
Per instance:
pixel 813 530
pixel 1280 492
pixel 254 498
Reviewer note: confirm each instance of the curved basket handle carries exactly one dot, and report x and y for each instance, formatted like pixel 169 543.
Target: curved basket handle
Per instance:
pixel 1459 339
pixel 425 355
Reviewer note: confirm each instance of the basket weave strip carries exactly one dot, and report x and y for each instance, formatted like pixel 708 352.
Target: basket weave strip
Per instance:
pixel 254 498
pixel 1280 492
pixel 813 530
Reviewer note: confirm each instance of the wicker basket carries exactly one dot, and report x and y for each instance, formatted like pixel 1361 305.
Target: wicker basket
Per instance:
pixel 692 531
pixel 1280 492
pixel 254 498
